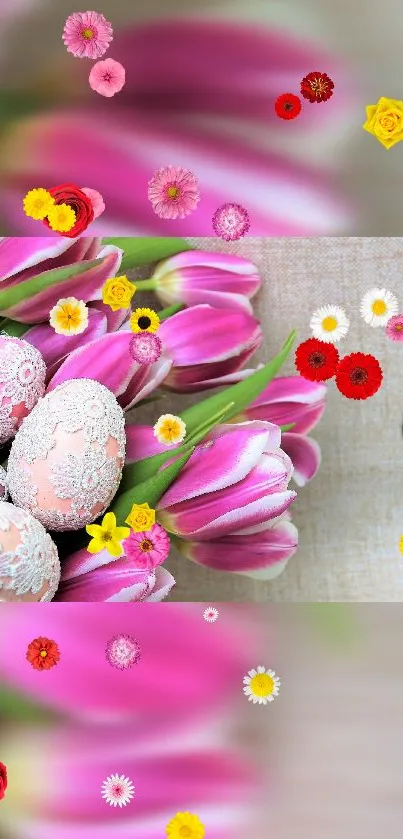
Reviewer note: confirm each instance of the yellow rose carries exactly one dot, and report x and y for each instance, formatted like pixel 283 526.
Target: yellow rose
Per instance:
pixel 141 518
pixel 385 121
pixel 117 293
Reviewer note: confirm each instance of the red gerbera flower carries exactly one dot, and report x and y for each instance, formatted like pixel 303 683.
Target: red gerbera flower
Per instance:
pixel 359 376
pixel 316 360
pixel 287 106
pixel 3 780
pixel 317 87
pixel 43 653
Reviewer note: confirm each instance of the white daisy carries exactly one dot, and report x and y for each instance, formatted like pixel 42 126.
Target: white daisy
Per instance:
pixel 329 324
pixel 211 614
pixel 117 790
pixel 261 685
pixel 378 306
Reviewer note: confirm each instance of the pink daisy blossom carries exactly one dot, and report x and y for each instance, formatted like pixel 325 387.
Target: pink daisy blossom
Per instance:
pixel 173 192
pixel 122 651
pixel 147 550
pixel 87 34
pixel 98 203
pixel 230 222
pixel 145 347
pixel 107 77
pixel 394 328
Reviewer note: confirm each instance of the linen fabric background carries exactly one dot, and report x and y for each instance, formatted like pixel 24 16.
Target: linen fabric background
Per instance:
pixel 348 516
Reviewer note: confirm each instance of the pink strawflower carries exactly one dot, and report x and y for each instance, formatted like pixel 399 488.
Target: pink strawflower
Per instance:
pixel 394 328
pixel 87 34
pixel 107 77
pixel 145 347
pixel 147 550
pixel 173 192
pixel 230 222
pixel 98 203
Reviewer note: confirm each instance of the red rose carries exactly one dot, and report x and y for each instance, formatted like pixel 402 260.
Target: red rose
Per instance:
pixel 79 202
pixel 3 780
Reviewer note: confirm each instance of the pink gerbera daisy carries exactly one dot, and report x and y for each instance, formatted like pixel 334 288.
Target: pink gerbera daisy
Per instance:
pixel 107 77
pixel 394 328
pixel 173 192
pixel 148 549
pixel 87 34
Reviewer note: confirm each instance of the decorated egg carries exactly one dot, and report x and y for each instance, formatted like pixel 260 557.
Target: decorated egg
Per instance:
pixel 22 383
pixel 29 562
pixel 66 460
pixel 3 484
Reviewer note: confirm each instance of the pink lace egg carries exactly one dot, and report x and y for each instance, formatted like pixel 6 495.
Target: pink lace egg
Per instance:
pixel 22 383
pixel 29 562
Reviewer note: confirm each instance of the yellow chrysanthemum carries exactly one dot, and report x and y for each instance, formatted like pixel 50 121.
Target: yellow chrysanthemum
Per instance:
pixel 61 218
pixel 69 316
pixel 37 203
pixel 185 825
pixel 169 429
pixel 144 320
pixel 107 536
pixel 141 518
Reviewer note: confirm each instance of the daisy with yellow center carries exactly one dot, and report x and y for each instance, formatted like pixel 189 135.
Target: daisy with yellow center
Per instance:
pixel 185 826
pixel 61 218
pixel 107 536
pixel 37 203
pixel 169 430
pixel 378 306
pixel 329 324
pixel 144 320
pixel 69 316
pixel 261 686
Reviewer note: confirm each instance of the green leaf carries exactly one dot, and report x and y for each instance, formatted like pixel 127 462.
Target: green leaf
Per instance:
pixel 144 251
pixel 13 328
pixel 28 288
pixel 149 491
pixel 13 706
pixel 170 310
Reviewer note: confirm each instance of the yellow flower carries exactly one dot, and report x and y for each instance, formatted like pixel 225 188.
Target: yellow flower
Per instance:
pixel 401 545
pixel 69 316
pixel 61 218
pixel 141 518
pixel 107 536
pixel 117 293
pixel 169 429
pixel 144 320
pixel 385 121
pixel 37 203
pixel 185 825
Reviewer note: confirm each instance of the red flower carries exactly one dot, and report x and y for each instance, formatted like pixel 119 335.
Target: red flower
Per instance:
pixel 359 376
pixel 3 780
pixel 316 360
pixel 43 653
pixel 80 203
pixel 287 106
pixel 317 87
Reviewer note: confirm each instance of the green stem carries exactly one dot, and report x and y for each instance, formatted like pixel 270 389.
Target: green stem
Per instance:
pixel 14 328
pixel 171 310
pixel 146 285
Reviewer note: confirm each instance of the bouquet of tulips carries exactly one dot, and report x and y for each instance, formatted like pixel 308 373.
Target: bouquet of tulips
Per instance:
pixel 211 480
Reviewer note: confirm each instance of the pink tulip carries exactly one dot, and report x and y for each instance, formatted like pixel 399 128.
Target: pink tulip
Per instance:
pixel 207 345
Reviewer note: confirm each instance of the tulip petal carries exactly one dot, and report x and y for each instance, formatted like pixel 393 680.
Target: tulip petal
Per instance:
pixel 198 377
pixel 54 348
pixel 164 582
pixel 204 334
pixel 290 399
pixel 305 454
pixel 107 581
pixel 19 253
pixel 141 442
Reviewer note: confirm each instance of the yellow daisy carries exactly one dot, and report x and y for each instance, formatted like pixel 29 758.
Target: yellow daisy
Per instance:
pixel 69 316
pixel 37 203
pixel 144 320
pixel 261 686
pixel 185 825
pixel 61 218
pixel 169 429
pixel 107 536
pixel 141 518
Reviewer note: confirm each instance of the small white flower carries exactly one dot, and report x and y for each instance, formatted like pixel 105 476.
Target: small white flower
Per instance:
pixel 378 306
pixel 329 324
pixel 117 790
pixel 211 614
pixel 169 430
pixel 261 686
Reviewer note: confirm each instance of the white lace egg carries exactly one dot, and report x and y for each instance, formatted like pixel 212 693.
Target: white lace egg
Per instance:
pixel 66 460
pixel 22 383
pixel 29 562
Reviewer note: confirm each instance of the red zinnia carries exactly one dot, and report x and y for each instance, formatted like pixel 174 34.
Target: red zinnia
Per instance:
pixel 80 203
pixel 287 106
pixel 316 360
pixel 3 780
pixel 359 376
pixel 43 653
pixel 317 87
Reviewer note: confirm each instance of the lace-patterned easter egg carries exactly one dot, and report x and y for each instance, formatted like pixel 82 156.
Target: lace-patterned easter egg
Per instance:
pixel 29 562
pixel 22 383
pixel 66 460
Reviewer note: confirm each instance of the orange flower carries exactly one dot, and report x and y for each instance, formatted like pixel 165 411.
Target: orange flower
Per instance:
pixel 43 653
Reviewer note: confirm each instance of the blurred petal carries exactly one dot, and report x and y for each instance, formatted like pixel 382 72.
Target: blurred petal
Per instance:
pixel 305 454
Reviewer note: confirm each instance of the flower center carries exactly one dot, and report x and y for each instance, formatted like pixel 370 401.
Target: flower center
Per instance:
pixel 43 653
pixel 185 831
pixel 288 106
pixel 146 545
pixel 379 307
pixel 88 34
pixel 318 85
pixel 107 77
pixel 262 685
pixel 329 323
pixel 106 537
pixel 398 327
pixel 144 322
pixel 359 376
pixel 173 192
pixel 316 359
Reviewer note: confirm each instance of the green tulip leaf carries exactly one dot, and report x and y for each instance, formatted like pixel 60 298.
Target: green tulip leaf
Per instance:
pixel 149 491
pixel 140 251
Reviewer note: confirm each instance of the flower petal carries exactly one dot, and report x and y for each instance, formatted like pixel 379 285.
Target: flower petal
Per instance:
pixel 54 348
pixel 305 454
pixel 18 253
pixel 290 399
pixel 203 334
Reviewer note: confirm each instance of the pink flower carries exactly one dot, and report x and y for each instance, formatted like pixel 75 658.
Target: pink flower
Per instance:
pixel 147 550
pixel 173 192
pixel 87 34
pixel 107 77
pixel 394 328
pixel 230 222
pixel 145 348
pixel 98 204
